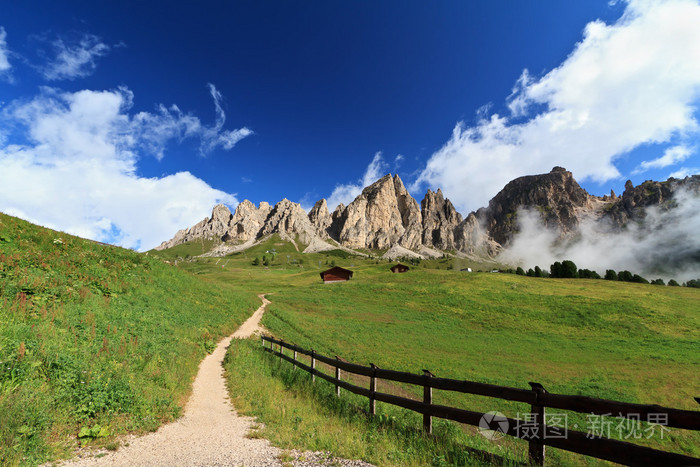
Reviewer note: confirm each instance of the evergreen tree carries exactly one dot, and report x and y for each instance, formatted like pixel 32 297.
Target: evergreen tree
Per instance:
pixel 624 276
pixel 531 272
pixel 569 270
pixel 673 283
pixel 555 269
pixel 658 282
pixel 538 271
pixel 520 271
pixel 610 275
pixel 639 279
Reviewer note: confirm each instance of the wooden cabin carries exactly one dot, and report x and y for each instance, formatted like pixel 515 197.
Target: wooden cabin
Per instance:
pixel 336 274
pixel 399 268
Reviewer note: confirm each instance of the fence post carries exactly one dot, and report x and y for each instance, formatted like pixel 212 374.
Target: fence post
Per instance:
pixel 262 339
pixel 372 390
pixel 281 353
pixel 427 399
pixel 313 366
pixel 536 446
pixel 337 376
pixel 295 360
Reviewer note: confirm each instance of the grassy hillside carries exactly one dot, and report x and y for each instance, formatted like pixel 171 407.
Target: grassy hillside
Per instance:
pixel 622 341
pixel 97 340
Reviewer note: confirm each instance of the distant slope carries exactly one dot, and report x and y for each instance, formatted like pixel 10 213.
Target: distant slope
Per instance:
pixel 96 340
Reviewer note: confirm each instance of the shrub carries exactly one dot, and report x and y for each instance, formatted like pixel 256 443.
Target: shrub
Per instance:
pixel 610 275
pixel 693 283
pixel 658 282
pixel 673 283
pixel 520 271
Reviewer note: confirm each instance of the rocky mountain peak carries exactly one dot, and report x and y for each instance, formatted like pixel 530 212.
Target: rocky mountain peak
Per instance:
pixel 382 215
pixel 555 195
pixel 320 217
pixel 288 218
pixel 440 218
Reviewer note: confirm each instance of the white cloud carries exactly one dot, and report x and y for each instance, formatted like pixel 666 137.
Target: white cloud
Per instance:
pixel 685 172
pixel 74 60
pixel 78 170
pixel 346 193
pixel 665 244
pixel 672 156
pixel 4 53
pixel 626 84
pixel 214 137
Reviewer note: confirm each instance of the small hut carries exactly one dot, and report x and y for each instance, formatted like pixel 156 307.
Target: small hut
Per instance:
pixel 336 274
pixel 399 268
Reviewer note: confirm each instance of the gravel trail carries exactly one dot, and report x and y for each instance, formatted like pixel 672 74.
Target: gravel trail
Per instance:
pixel 210 432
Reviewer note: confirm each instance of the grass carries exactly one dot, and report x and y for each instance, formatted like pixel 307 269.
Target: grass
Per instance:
pixel 299 414
pixel 613 340
pixel 97 341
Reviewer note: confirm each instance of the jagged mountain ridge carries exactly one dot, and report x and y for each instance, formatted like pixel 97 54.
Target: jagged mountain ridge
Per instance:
pixel 385 216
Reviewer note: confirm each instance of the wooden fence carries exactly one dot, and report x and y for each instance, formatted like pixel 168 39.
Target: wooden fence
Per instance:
pixel 535 430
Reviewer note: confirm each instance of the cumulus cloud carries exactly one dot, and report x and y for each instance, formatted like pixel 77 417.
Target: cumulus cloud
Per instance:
pixel 665 244
pixel 346 193
pixel 626 84
pixel 75 168
pixel 685 172
pixel 4 53
pixel 74 59
pixel 672 156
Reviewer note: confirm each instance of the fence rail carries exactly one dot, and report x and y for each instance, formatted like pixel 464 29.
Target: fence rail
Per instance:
pixel 535 431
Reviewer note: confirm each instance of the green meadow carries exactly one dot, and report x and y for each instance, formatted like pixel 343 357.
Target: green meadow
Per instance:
pixel 613 340
pixel 97 341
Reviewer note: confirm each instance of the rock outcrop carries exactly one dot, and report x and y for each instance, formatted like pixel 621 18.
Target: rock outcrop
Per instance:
pixel 440 219
pixel 632 204
pixel 247 221
pixel 289 220
pixel 386 216
pixel 556 196
pixel 208 228
pixel 320 217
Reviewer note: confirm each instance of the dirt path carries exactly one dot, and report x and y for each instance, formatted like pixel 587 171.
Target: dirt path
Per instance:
pixel 209 433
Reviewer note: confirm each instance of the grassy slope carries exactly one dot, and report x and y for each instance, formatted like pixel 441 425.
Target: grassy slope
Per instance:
pixel 622 341
pixel 97 337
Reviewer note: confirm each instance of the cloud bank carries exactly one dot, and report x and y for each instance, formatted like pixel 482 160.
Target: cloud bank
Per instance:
pixel 72 166
pixel 665 245
pixel 624 85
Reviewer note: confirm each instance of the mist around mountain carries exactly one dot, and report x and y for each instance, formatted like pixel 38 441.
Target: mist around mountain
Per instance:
pixel 535 220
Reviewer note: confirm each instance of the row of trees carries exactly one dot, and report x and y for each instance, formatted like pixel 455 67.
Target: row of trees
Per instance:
pixel 567 270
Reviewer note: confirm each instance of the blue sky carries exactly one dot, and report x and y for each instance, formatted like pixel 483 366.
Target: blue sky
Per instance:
pixel 127 121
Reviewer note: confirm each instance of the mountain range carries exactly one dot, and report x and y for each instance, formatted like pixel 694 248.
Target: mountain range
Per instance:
pixel 386 217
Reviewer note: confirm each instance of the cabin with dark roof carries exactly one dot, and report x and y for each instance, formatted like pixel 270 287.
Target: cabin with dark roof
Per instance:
pixel 399 268
pixel 336 274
